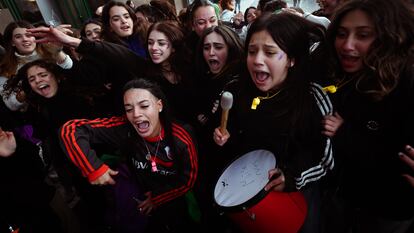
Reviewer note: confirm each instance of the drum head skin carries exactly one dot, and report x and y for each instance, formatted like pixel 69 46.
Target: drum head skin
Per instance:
pixel 244 178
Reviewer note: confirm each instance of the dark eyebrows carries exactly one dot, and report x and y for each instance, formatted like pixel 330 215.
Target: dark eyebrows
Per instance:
pixel 140 102
pixel 270 46
pixel 358 27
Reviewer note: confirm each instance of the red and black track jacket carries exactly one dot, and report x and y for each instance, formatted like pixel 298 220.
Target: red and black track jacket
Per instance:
pixel 176 172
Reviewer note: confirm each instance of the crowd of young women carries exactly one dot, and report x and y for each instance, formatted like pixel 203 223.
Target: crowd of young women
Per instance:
pixel 335 107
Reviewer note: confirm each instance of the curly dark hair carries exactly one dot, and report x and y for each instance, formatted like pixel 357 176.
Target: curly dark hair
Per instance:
pixel 394 27
pixel 20 82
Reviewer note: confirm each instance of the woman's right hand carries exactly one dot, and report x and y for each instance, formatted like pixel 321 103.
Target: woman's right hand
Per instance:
pixel 21 96
pixel 147 206
pixel 106 178
pixel 7 143
pixel 276 180
pixel 220 138
pixel 54 35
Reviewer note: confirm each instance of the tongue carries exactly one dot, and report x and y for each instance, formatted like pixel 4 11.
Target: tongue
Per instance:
pixel 143 125
pixel 45 90
pixel 214 65
pixel 261 76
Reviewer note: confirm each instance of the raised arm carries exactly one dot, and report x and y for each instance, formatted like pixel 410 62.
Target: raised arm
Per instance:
pixel 53 35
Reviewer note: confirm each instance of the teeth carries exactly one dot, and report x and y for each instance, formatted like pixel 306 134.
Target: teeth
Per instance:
pixel 43 86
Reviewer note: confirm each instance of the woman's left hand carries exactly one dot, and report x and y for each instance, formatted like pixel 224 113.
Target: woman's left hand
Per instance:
pixel 331 124
pixel 53 35
pixel 408 158
pixel 277 180
pixel 146 207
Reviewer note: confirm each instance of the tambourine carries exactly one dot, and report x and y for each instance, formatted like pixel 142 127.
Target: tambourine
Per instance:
pixel 239 192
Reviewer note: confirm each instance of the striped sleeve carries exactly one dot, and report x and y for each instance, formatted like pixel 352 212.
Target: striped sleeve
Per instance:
pixel 190 167
pixel 327 161
pixel 76 137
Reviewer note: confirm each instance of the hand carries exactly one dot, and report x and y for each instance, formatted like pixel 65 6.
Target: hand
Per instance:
pixel 292 11
pixel 21 96
pixel 108 86
pixel 238 18
pixel 106 178
pixel 277 180
pixel 331 124
pixel 65 28
pixel 146 206
pixel 53 48
pixel 219 137
pixel 7 143
pixel 56 48
pixel 408 158
pixel 53 35
pixel 202 119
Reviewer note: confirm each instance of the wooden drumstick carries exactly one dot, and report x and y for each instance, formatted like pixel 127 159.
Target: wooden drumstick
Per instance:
pixel 226 103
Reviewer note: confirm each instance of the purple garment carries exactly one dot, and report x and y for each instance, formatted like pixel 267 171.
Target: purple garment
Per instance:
pixel 26 132
pixel 136 46
pixel 122 213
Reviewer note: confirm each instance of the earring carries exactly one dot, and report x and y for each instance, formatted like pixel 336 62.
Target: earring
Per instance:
pixel 160 110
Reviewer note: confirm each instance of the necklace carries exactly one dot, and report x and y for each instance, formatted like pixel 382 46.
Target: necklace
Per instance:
pixel 256 101
pixel 334 88
pixel 151 158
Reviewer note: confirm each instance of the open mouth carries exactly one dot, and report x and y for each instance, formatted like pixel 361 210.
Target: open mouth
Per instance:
pixel 349 60
pixel 125 28
pixel 261 76
pixel 44 89
pixel 214 64
pixel 142 126
pixel 349 57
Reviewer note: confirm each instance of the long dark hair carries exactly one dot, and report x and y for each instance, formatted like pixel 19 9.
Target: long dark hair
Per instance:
pixel 89 21
pixel 20 82
pixel 9 63
pixel 294 35
pixel 389 52
pixel 139 29
pixel 175 35
pixel 247 11
pixel 235 48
